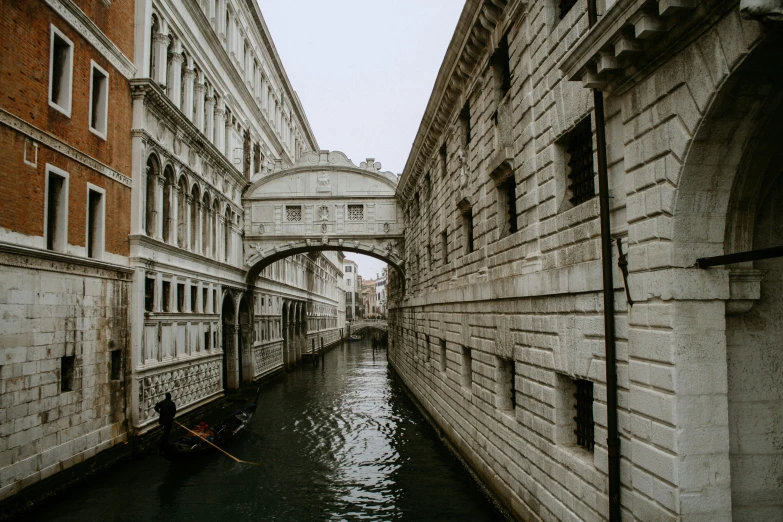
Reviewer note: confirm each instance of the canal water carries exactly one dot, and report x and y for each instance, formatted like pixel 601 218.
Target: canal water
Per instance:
pixel 340 441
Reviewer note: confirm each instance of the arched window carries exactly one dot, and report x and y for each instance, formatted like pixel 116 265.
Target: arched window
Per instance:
pixel 194 201
pixel 227 236
pixel 168 189
pixel 214 225
pixel 182 215
pixel 152 179
pixel 205 222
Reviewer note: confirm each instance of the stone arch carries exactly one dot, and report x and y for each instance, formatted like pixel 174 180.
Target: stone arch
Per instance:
pixel 728 200
pixel 150 212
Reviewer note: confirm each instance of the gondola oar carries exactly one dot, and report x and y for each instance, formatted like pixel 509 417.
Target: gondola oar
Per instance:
pixel 217 447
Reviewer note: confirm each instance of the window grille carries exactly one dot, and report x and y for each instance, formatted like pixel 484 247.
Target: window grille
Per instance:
pixel 116 365
pixel 467 221
pixel 293 213
pixel 67 373
pixel 580 163
pixel 564 7
pixel 584 414
pixel 464 118
pixel 149 294
pixel 355 212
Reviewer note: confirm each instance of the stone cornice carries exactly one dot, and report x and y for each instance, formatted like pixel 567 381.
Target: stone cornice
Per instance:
pixel 473 32
pixel 55 143
pixel 153 94
pixel 634 37
pixel 36 259
pixel 71 13
pixel 141 240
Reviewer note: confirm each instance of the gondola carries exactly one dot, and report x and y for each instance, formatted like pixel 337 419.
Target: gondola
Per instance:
pixel 355 338
pixel 218 434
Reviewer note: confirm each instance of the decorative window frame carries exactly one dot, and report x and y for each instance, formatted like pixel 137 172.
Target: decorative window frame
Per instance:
pixel 60 242
pixel 99 248
pixel 105 102
pixel 53 31
pixel 355 205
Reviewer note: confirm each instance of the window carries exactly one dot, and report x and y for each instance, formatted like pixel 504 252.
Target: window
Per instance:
pixel 293 213
pixel 56 211
pixel 578 144
pixel 348 269
pixel 443 161
pixel 355 212
pixel 60 71
pixel 149 294
pixel 443 355
pixel 115 369
pixel 584 415
pixel 444 247
pixel 464 119
pixel 501 69
pixel 95 221
pixel 67 373
pixel 347 282
pixel 467 371
pixel 206 340
pixel 507 203
pixel 166 295
pixel 467 223
pixel 506 384
pixel 180 297
pixel 99 100
pixel 563 7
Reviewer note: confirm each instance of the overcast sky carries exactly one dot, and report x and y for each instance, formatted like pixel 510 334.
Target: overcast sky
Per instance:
pixel 364 71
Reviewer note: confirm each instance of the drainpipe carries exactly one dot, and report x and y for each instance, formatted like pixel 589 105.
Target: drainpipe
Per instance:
pixel 612 438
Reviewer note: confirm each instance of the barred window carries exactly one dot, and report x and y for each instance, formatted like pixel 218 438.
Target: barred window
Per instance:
pixel 355 212
pixel 579 146
pixel 584 414
pixel 293 213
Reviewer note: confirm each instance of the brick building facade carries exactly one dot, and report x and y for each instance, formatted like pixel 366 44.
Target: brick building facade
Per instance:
pixel 500 332
pixel 65 118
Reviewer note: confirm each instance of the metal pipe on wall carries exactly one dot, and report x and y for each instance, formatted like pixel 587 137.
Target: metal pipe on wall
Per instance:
pixel 612 438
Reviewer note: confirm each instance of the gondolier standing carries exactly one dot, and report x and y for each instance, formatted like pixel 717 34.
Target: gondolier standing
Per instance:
pixel 167 410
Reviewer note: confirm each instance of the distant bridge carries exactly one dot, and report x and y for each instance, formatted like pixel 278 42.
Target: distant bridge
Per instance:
pixel 366 324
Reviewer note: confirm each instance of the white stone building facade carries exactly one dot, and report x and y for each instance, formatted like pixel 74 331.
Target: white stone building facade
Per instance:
pixel 500 332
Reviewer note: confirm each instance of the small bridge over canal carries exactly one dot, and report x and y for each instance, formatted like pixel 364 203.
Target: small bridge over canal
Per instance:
pixel 322 202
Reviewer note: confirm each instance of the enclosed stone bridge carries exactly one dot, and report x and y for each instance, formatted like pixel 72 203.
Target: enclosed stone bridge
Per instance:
pixel 322 202
pixel 369 324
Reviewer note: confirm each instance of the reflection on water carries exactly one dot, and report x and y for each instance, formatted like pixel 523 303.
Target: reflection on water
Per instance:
pixel 336 442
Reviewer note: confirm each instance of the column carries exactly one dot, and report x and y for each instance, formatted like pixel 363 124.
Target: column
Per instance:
pixel 220 128
pixel 174 207
pixel 188 297
pixel 199 102
pixel 264 94
pixel 196 247
pixel 160 44
pixel 158 232
pixel 228 146
pixel 187 102
pixel 174 86
pixel 186 224
pixel 209 115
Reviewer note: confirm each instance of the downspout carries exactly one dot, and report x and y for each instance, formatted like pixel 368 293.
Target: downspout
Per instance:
pixel 612 438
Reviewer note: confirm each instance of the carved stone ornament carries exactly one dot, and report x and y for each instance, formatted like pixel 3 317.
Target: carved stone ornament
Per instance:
pixel 323 228
pixel 762 10
pixel 323 179
pixel 161 134
pixel 177 145
pixel 323 213
pixel 386 227
pixel 192 158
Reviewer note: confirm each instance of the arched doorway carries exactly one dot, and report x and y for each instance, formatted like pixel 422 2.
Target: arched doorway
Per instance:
pixel 730 200
pixel 228 322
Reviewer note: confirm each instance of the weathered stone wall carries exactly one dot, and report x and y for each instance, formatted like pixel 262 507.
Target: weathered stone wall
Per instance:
pixel 52 309
pixel 677 135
